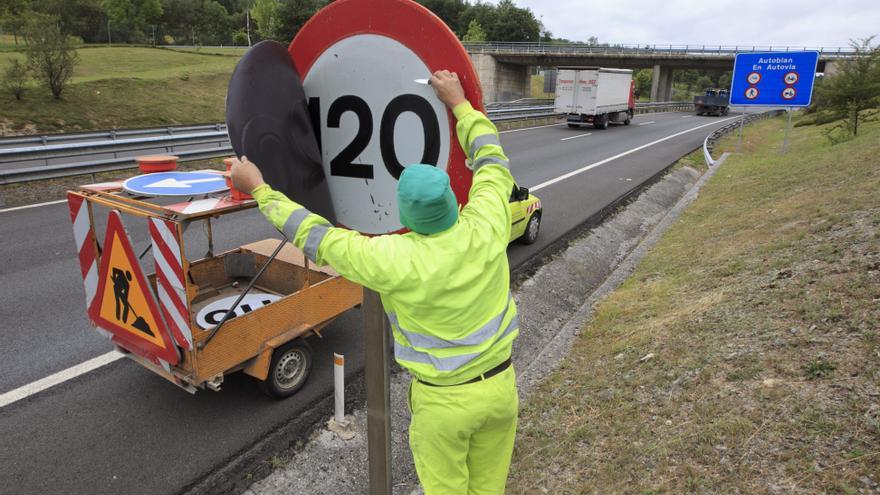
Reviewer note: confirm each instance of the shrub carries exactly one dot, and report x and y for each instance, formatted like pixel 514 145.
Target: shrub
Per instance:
pixel 50 52
pixel 15 77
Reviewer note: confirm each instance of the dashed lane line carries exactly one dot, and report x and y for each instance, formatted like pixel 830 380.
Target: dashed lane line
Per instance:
pixel 578 136
pixel 34 205
pixel 62 376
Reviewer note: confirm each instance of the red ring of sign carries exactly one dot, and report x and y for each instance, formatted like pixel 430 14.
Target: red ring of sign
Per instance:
pixel 751 97
pixel 793 93
pixel 750 76
pixel 796 77
pixel 415 27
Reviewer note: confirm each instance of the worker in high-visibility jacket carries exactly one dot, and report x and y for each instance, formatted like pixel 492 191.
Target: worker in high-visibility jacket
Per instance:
pixel 445 287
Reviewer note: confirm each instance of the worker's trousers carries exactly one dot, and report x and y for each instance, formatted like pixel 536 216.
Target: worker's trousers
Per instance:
pixel 462 436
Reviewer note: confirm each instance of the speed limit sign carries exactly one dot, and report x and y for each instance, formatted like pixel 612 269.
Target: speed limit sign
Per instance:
pixel 359 60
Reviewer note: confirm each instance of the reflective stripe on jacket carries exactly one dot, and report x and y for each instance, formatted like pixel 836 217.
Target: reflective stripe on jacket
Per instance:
pixel 447 295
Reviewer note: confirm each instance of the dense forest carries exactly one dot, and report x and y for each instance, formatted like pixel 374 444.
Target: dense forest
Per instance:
pixel 243 22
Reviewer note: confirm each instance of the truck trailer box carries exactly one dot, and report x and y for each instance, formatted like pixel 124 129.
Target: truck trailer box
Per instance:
pixel 594 94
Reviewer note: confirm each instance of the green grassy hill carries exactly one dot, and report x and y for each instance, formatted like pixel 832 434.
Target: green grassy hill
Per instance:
pixel 743 354
pixel 125 87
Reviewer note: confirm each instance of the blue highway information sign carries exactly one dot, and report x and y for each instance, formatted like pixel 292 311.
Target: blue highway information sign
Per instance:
pixel 783 79
pixel 175 184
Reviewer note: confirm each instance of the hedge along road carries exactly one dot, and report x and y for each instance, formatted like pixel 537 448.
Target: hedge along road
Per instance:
pixel 121 428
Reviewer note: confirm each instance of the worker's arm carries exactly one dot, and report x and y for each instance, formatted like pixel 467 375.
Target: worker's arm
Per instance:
pixel 369 261
pixel 492 183
pixel 488 198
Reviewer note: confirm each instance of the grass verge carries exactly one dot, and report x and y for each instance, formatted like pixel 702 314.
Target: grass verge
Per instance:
pixel 124 87
pixel 743 355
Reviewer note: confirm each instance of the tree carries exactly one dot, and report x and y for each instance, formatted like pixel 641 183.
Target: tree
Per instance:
pixel 293 14
pixel 475 32
pixel 266 13
pixel 51 53
pixel 130 18
pixel 854 88
pixel 514 23
pixel 83 18
pixel 15 77
pixel 642 78
pixel 12 17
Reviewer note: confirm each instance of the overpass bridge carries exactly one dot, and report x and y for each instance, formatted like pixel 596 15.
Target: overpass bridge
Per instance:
pixel 503 67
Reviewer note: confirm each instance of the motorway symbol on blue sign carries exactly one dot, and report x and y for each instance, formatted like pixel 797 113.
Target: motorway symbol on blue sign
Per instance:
pixel 175 184
pixel 774 79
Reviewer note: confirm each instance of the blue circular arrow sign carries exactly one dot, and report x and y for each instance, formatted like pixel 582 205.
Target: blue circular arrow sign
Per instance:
pixel 175 184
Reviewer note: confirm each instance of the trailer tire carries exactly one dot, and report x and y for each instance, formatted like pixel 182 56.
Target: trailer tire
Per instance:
pixel 600 121
pixel 726 111
pixel 289 369
pixel 628 118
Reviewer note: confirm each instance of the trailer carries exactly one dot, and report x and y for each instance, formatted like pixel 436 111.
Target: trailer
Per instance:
pixel 714 101
pixel 179 321
pixel 595 95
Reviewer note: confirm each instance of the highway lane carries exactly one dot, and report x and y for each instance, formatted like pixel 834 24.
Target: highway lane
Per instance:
pixel 120 428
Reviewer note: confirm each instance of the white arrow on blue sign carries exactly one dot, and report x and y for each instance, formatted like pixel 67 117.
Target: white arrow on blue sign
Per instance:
pixel 175 184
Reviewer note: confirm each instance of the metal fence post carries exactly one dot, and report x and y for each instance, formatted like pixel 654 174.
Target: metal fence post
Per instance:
pixel 378 395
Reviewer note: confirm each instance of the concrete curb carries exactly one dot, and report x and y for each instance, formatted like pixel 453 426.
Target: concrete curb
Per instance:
pixel 563 340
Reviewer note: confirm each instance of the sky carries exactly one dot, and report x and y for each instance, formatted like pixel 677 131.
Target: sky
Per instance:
pixel 815 23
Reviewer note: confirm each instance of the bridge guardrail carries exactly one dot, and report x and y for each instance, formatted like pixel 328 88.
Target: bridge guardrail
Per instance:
pixel 80 155
pixel 496 47
pixel 723 131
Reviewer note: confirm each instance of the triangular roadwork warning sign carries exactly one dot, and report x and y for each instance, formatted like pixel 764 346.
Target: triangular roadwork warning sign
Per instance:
pixel 124 304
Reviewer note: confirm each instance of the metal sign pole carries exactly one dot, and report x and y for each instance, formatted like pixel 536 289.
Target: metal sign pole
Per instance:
pixel 742 118
pixel 787 130
pixel 378 394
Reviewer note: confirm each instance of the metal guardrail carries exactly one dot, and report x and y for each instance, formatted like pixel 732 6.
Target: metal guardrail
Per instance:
pixel 111 134
pixel 63 155
pixel 496 47
pixel 723 131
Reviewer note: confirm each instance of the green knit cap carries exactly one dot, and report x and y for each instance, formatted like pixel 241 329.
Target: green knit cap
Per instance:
pixel 426 202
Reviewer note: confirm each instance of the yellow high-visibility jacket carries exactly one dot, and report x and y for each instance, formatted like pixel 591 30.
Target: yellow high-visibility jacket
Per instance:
pixel 447 295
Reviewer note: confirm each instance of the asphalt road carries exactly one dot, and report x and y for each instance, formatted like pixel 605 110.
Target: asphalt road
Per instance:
pixel 121 429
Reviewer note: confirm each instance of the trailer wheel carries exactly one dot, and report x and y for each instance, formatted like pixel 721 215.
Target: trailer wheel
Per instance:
pixel 600 121
pixel 289 369
pixel 628 118
pixel 726 111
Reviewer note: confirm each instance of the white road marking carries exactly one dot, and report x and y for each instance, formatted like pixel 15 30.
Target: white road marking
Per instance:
pixel 620 155
pixel 530 128
pixel 648 122
pixel 54 379
pixel 25 207
pixel 578 136
pixel 686 116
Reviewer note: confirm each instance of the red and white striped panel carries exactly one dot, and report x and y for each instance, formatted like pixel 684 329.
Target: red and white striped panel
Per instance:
pixel 84 237
pixel 533 207
pixel 170 284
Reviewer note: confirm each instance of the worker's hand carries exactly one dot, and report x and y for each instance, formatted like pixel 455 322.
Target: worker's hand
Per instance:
pixel 448 88
pixel 245 175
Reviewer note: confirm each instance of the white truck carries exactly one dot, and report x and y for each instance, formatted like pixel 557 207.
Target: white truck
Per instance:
pixel 595 95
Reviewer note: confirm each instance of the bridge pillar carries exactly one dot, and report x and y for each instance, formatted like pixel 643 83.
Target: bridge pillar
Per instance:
pixel 661 84
pixel 831 68
pixel 501 81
